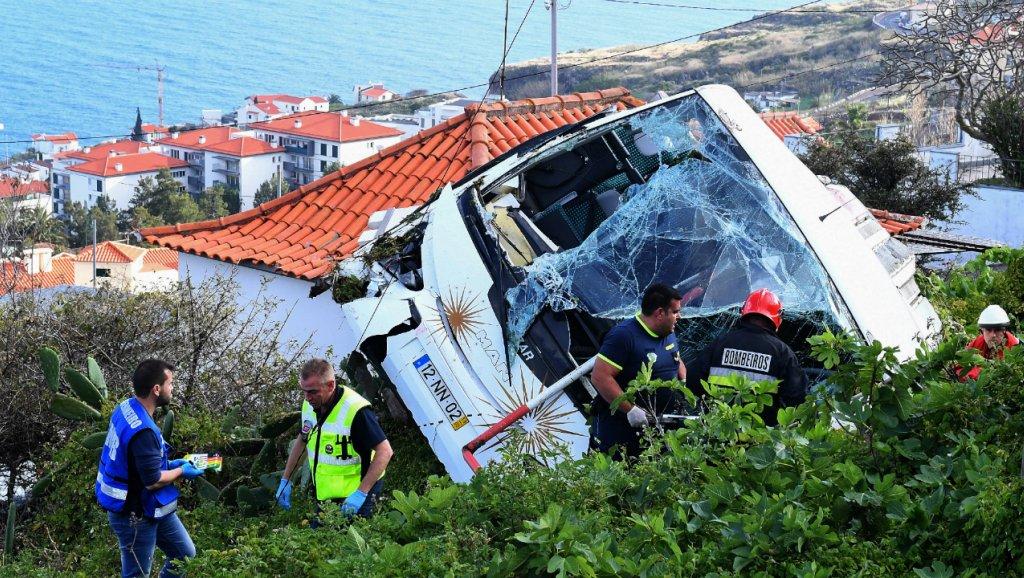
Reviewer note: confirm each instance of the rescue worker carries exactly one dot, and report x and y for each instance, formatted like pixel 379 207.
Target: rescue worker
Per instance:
pixel 752 349
pixel 135 483
pixel 625 348
pixel 993 340
pixel 346 447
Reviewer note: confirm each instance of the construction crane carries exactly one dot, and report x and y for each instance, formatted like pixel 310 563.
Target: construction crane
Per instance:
pixel 158 68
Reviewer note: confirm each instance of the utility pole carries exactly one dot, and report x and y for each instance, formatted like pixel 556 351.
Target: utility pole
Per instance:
pixel 94 252
pixel 552 5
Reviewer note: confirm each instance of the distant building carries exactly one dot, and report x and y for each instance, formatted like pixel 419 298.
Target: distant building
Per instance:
pixel 21 195
pixel 264 107
pixel 772 100
pixel 127 267
pixel 792 128
pixel 967 159
pixel 28 171
pixel 439 112
pixel 47 145
pixel 61 174
pixel 225 155
pixel 312 141
pixel 38 268
pixel 115 176
pixel 373 92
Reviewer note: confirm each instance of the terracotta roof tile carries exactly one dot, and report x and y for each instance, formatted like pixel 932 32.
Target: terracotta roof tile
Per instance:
pixel 14 276
pixel 896 223
pixel 786 123
pixel 302 233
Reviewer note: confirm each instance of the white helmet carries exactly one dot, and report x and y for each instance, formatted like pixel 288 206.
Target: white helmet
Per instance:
pixel 993 316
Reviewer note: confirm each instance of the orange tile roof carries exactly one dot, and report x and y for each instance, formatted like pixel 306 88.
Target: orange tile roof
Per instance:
pixel 154 128
pixel 302 232
pixel 160 259
pixel 129 163
pixel 190 139
pixel 244 146
pixel 896 223
pixel 64 137
pixel 111 252
pixel 16 188
pixel 267 107
pixel 121 147
pixel 62 272
pixel 375 91
pixel 785 123
pixel 330 126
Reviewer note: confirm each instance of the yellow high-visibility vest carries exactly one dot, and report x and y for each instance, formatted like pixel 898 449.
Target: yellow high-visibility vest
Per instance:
pixel 333 461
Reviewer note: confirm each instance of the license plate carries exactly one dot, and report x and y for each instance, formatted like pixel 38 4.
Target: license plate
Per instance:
pixel 442 395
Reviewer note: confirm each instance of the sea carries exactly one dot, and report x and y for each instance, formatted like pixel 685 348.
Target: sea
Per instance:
pixel 85 65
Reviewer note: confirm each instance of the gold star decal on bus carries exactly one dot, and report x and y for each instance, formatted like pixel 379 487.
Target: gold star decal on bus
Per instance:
pixel 463 313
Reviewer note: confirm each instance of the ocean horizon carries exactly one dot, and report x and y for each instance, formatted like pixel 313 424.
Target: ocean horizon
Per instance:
pixel 70 66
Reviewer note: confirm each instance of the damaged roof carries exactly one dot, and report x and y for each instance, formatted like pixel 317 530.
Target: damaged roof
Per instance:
pixel 302 233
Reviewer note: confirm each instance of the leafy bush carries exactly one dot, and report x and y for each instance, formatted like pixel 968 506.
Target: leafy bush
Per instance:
pixel 892 469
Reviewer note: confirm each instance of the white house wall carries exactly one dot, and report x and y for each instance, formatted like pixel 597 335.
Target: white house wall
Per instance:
pixel 319 318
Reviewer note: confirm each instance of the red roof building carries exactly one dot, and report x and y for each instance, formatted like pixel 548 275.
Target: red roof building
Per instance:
pixel 127 164
pixel 12 188
pixel 787 123
pixel 301 234
pixel 102 150
pixel 328 126
pixel 62 138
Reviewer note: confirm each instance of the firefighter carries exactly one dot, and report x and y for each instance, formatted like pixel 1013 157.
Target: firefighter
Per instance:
pixel 625 348
pixel 346 447
pixel 994 338
pixel 136 481
pixel 752 349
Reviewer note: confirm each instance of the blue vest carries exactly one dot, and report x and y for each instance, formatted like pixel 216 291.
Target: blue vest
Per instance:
pixel 128 419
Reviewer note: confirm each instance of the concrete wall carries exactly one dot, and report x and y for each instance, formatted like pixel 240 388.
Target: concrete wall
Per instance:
pixel 319 318
pixel 996 213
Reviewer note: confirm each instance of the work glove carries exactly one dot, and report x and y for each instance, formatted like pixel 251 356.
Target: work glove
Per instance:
pixel 353 502
pixel 176 464
pixel 190 471
pixel 284 494
pixel 639 417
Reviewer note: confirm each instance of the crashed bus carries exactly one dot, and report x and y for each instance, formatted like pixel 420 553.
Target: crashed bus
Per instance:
pixel 497 292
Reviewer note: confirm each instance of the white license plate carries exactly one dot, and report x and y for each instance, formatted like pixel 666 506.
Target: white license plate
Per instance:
pixel 442 394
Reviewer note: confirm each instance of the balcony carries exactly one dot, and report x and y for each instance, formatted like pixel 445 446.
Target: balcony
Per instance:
pixel 196 183
pixel 303 148
pixel 293 167
pixel 227 169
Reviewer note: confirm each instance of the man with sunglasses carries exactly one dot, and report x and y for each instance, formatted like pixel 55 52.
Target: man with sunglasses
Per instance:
pixel 347 449
pixel 752 349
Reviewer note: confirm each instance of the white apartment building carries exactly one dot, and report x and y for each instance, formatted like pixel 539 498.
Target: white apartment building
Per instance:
pixel 60 171
pixel 47 145
pixel 263 107
pixel 225 155
pixel 312 141
pixel 116 176
pixel 28 171
pixel 439 112
pixel 24 195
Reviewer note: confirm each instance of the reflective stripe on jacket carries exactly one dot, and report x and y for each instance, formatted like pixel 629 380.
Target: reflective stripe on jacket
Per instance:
pixel 128 419
pixel 333 461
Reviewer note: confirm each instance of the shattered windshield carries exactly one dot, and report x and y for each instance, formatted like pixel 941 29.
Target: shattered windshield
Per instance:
pixel 682 204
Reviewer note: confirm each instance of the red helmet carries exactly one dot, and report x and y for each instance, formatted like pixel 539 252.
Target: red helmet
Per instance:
pixel 764 302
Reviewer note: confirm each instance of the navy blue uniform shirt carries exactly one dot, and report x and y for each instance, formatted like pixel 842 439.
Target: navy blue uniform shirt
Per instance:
pixel 626 347
pixel 144 458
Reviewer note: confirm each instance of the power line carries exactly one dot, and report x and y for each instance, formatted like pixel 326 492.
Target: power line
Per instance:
pixel 368 105
pixel 810 70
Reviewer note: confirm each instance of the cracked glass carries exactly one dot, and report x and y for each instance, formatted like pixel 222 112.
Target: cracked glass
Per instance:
pixel 702 219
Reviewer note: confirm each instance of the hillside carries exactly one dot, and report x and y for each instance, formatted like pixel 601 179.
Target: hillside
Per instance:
pixel 749 56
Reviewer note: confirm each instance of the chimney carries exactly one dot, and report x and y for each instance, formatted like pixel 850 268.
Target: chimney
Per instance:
pixel 175 135
pixel 40 259
pixel 355 120
pixel 118 167
pixel 344 113
pixel 112 153
pixel 297 123
pixel 202 139
pixel 87 150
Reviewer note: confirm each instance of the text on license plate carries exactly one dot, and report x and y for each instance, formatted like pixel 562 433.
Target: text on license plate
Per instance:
pixel 442 395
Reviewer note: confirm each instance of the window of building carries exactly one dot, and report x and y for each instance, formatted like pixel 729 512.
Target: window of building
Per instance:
pixel 55 180
pixel 323 149
pixel 323 166
pixel 178 174
pixel 175 154
pixel 56 195
pixel 233 181
pixel 181 188
pixel 334 151
pixel 99 186
pixel 101 272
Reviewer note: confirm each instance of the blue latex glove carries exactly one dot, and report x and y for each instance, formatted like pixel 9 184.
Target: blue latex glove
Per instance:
pixel 354 501
pixel 284 494
pixel 190 471
pixel 176 464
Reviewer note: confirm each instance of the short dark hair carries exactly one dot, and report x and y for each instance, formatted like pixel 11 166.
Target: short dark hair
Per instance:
pixel 148 373
pixel 658 296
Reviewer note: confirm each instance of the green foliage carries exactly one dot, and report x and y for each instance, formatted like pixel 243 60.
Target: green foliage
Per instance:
pixel 50 362
pixel 12 519
pixel 886 174
pixel 280 423
pixel 167 429
pixel 96 376
pixel 83 388
pixel 72 409
pixel 1001 121
pixel 80 222
pixel 268 190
